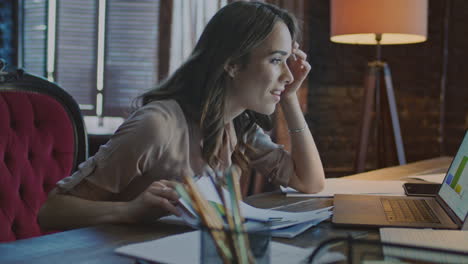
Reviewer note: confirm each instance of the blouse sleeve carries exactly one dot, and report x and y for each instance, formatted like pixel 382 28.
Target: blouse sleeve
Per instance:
pixel 269 158
pixel 135 147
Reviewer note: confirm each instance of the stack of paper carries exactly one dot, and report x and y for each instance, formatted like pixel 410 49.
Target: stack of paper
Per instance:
pixel 279 228
pixel 284 224
pixel 346 186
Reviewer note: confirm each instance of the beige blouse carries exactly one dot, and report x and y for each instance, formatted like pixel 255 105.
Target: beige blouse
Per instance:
pixel 156 142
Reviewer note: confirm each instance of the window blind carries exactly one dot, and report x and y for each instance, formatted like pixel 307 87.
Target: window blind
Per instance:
pixel 6 32
pixel 35 36
pixel 75 68
pixel 131 52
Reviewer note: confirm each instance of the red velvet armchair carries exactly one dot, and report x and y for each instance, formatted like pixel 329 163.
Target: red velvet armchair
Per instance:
pixel 42 140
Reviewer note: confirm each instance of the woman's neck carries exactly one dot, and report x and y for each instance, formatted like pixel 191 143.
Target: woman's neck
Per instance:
pixel 231 114
pixel 232 109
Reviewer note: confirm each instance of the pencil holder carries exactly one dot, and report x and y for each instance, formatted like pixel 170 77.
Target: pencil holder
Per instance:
pixel 259 243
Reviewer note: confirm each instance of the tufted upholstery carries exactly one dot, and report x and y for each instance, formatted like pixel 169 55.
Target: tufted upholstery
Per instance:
pixel 42 139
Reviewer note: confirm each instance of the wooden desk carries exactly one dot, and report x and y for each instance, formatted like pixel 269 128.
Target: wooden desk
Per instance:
pixel 96 244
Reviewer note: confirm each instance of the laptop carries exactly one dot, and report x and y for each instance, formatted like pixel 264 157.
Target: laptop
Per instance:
pixel 447 210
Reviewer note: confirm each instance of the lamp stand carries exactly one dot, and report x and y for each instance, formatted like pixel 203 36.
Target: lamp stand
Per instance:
pixel 388 149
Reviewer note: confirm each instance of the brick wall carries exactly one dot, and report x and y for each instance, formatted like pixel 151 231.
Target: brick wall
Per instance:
pixel 335 88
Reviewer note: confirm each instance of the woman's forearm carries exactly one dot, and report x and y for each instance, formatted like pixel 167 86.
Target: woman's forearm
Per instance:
pixel 308 166
pixel 67 211
pixel 62 212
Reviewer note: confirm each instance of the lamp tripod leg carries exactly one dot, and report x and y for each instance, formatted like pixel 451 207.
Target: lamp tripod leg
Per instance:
pixel 400 151
pixel 368 109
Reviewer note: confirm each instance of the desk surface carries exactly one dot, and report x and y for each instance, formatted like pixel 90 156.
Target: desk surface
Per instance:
pixel 97 244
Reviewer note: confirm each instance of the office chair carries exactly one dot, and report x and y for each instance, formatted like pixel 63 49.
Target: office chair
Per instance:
pixel 42 140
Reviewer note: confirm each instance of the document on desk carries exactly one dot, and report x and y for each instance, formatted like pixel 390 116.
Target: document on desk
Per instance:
pixel 277 219
pixel 442 239
pixel 168 250
pixel 293 231
pixel 346 186
pixel 437 178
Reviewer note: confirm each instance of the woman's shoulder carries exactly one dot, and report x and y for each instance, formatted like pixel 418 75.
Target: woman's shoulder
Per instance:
pixel 162 112
pixel 162 109
pixel 155 118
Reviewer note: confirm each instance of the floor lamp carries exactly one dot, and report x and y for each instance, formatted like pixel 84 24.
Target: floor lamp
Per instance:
pixel 379 22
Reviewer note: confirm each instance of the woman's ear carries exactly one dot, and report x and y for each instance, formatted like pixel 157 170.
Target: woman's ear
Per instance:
pixel 231 69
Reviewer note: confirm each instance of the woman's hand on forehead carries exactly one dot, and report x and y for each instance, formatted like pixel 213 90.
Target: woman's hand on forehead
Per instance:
pixel 299 68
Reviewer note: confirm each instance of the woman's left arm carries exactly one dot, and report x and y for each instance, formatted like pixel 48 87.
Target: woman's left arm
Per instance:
pixel 309 176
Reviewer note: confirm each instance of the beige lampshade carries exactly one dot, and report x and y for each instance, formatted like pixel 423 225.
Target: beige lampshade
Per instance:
pixel 358 21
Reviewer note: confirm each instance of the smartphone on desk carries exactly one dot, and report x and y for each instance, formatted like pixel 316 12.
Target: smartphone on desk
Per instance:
pixel 421 189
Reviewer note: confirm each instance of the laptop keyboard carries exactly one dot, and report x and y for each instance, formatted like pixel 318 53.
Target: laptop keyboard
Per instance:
pixel 408 211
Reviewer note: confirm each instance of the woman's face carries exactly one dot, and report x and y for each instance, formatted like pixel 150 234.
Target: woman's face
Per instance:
pixel 258 85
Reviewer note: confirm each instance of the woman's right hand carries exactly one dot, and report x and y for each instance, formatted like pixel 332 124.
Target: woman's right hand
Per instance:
pixel 158 200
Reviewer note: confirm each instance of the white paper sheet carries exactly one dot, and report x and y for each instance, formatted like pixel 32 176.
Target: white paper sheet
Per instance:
pixel 442 239
pixel 437 178
pixel 168 250
pixel 345 186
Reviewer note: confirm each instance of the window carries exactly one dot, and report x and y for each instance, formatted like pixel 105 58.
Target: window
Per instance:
pixel 103 52
pixel 7 51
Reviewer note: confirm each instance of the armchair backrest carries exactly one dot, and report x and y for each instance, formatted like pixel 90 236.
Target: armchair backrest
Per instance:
pixel 42 140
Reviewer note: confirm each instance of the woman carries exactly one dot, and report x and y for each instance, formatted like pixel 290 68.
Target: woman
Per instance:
pixel 208 115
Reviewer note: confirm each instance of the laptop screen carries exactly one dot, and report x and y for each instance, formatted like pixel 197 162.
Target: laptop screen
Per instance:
pixel 454 189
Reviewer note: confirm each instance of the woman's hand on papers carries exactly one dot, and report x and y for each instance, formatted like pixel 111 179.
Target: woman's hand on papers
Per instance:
pixel 158 200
